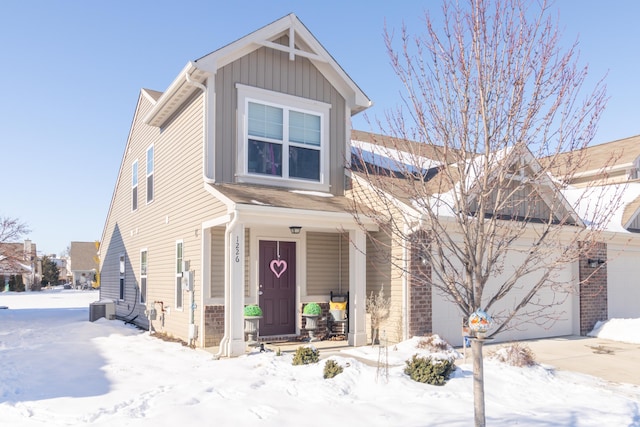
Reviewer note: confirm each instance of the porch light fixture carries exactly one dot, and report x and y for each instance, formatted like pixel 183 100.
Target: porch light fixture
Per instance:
pixel 295 229
pixel 593 263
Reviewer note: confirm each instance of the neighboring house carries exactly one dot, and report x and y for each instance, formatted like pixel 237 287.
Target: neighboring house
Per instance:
pixel 234 190
pixel 246 143
pixel 602 290
pixel 83 264
pixel 19 259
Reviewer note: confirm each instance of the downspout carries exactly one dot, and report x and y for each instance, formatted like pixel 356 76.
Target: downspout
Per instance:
pixel 205 148
pixel 227 289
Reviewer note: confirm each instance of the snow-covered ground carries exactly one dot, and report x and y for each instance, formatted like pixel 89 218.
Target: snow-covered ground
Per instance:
pixel 59 369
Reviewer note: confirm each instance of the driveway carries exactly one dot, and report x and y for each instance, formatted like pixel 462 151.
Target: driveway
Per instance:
pixel 611 360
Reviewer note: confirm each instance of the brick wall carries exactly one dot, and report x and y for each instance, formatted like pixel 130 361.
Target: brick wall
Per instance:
pixel 593 288
pixel 420 300
pixel 213 325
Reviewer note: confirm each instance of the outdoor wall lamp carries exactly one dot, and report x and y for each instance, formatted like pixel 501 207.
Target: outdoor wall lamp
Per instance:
pixel 295 229
pixel 593 263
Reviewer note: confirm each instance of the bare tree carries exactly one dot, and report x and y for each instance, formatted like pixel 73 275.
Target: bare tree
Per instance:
pixel 11 230
pixel 501 120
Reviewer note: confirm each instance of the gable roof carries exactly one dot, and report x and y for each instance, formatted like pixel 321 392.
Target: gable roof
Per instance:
pixel 602 158
pixel 438 184
pixel 301 43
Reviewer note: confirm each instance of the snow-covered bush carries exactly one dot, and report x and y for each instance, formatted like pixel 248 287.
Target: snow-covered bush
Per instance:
pixel 515 354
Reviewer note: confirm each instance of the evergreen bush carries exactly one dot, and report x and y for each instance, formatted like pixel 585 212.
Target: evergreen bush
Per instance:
pixel 428 370
pixel 331 369
pixel 313 308
pixel 306 356
pixel 252 311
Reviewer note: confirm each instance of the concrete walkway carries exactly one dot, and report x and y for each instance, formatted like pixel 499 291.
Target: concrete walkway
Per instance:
pixel 610 360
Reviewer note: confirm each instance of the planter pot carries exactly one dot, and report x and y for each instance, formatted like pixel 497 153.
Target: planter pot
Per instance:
pixel 251 326
pixel 311 325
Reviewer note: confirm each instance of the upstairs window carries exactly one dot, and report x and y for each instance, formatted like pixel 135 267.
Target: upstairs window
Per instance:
pixel 284 140
pixel 150 174
pixel 134 186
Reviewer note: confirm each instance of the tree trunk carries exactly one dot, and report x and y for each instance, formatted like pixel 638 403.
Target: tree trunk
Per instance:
pixel 478 383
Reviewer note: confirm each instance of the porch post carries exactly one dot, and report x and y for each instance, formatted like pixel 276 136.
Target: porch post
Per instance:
pixel 357 287
pixel 236 345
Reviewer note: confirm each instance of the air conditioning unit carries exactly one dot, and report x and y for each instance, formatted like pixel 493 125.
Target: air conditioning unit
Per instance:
pixel 101 309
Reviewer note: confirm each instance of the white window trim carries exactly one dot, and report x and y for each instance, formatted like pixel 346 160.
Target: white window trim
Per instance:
pixel 178 275
pixel 144 276
pixel 287 102
pixel 146 193
pixel 122 276
pixel 136 186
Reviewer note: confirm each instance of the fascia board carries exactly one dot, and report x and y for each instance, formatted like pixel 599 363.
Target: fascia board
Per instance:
pixel 283 216
pixel 171 91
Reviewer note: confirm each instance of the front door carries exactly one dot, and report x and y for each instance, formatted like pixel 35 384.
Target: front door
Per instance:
pixel 277 286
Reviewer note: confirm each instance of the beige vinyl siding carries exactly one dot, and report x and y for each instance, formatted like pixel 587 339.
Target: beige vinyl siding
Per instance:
pixel 272 70
pixel 327 263
pixel 179 207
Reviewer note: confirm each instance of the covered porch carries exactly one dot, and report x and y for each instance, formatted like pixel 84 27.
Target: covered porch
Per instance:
pixel 280 258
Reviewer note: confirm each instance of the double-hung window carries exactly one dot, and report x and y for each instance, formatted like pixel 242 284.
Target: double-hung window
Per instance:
pixel 150 174
pixel 122 268
pixel 283 140
pixel 134 186
pixel 143 276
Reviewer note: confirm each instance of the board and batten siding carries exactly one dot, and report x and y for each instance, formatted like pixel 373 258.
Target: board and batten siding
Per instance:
pixel 271 69
pixel 179 207
pixel 327 263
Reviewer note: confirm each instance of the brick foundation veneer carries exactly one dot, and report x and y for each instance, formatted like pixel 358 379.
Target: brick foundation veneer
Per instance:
pixel 420 299
pixel 213 325
pixel 593 289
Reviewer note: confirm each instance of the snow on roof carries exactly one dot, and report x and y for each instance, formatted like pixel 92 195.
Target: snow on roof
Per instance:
pixel 391 158
pixel 592 203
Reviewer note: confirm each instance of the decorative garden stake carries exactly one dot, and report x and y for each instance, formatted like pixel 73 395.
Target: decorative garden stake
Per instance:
pixel 311 313
pixel 252 316
pixel 479 324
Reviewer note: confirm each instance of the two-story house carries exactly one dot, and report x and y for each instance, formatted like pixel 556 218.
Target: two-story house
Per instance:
pixel 231 191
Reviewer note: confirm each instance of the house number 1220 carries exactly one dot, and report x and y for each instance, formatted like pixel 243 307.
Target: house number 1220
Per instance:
pixel 237 248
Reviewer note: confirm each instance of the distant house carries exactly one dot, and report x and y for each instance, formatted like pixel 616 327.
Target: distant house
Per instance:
pixel 83 264
pixel 19 259
pixel 234 189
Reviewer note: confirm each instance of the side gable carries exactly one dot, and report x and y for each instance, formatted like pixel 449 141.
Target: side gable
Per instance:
pixel 146 101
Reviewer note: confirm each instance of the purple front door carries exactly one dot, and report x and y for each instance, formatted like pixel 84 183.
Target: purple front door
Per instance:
pixel 277 285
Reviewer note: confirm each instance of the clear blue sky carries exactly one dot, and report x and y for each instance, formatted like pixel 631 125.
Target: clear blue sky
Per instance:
pixel 71 72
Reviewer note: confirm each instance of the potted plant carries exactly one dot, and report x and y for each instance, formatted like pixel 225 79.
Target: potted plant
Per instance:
pixel 311 312
pixel 252 316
